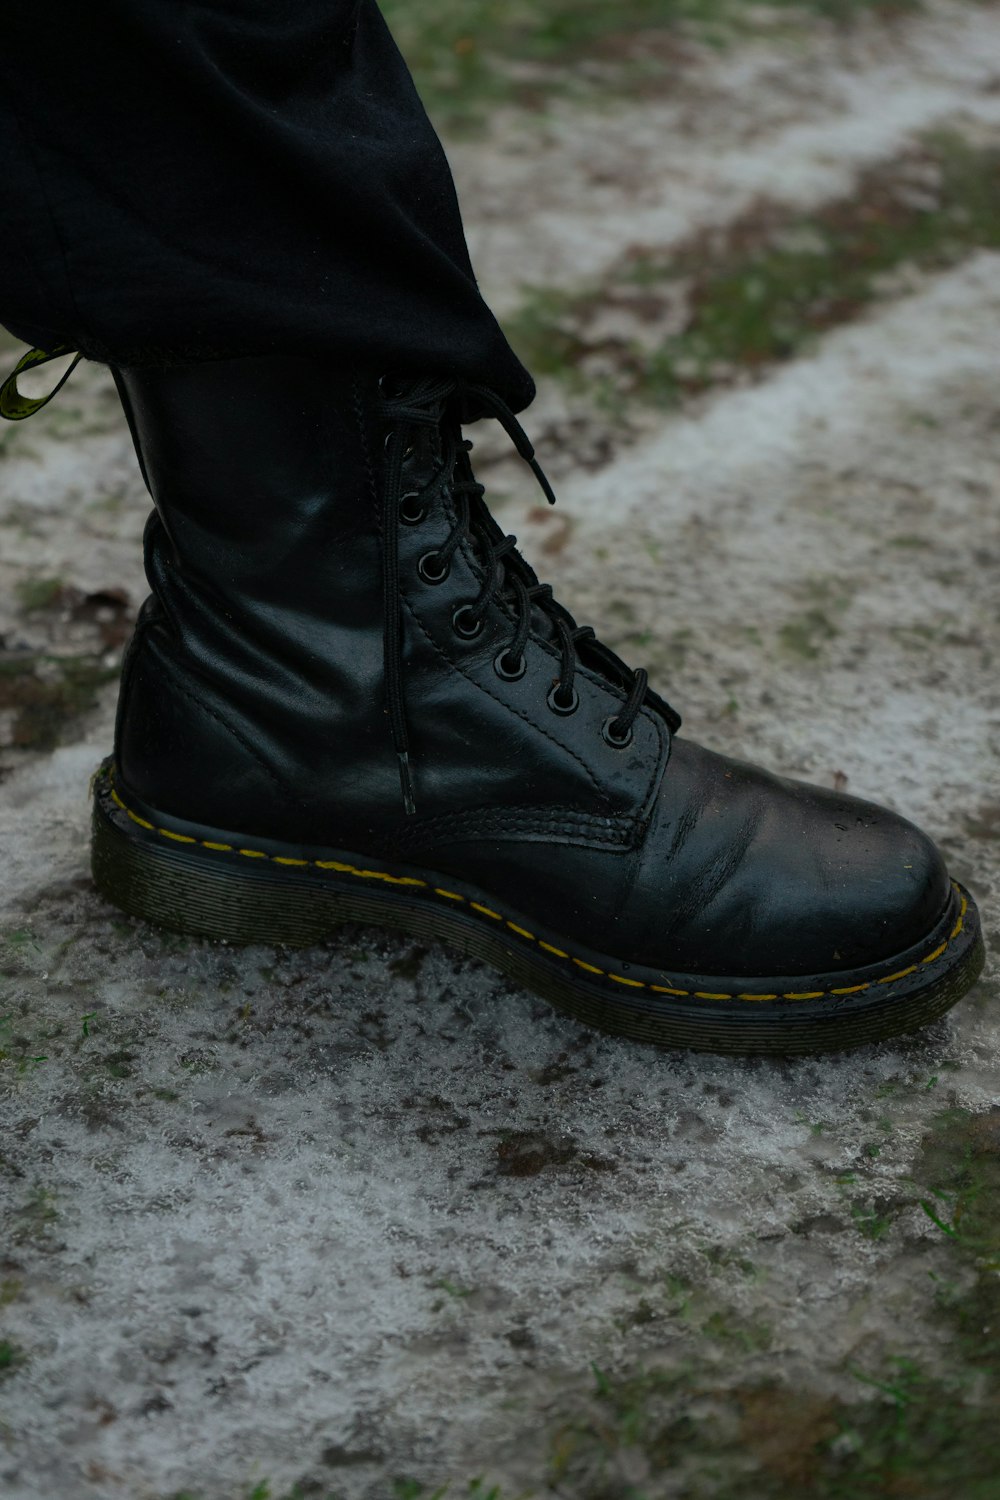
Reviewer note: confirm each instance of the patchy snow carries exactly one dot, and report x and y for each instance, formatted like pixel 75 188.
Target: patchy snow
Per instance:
pixel 557 198
pixel 257 1219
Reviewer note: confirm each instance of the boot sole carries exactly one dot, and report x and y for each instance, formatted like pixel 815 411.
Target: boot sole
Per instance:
pixel 210 884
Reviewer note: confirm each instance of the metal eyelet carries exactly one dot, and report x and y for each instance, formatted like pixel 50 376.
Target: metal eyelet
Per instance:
pixel 411 512
pixel 408 451
pixel 466 623
pixel 509 673
pixel 558 706
pixel 431 573
pixel 616 741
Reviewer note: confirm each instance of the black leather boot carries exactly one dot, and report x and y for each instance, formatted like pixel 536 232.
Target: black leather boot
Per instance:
pixel 349 699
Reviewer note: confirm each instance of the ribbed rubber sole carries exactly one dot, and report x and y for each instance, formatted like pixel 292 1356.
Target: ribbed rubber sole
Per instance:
pixel 211 884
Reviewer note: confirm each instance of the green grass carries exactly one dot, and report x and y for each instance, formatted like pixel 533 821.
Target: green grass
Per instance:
pixel 960 1166
pixel 38 593
pixel 11 1358
pixel 20 1051
pixel 767 288
pixel 639 1413
pixel 468 56
pixel 32 1223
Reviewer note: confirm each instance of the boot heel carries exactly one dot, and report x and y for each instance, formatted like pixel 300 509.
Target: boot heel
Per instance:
pixel 146 876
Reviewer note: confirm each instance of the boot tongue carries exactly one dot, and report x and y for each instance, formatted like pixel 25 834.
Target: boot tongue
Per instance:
pixel 426 418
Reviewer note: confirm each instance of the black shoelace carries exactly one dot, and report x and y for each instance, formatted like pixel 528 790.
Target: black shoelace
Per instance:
pixel 416 412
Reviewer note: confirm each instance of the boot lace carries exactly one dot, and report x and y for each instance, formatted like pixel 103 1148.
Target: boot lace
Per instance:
pixel 429 413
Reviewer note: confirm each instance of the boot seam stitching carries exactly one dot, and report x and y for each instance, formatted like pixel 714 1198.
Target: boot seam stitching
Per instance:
pixel 521 819
pixel 479 830
pixel 341 868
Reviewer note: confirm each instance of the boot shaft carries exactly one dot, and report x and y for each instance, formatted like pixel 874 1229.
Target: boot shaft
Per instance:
pixel 255 693
pixel 263 480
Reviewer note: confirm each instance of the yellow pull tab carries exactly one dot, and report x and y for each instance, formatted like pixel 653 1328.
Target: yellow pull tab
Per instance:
pixel 16 407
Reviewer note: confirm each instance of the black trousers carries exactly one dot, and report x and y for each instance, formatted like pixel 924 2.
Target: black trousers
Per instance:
pixel 186 179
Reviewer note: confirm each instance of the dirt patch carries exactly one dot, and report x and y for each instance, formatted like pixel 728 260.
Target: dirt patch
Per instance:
pixel 786 1431
pixel 44 699
pixel 529 1153
pixel 472 56
pixel 730 302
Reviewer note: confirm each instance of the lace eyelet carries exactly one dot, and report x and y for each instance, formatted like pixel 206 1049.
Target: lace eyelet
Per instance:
pixel 411 512
pixel 616 741
pixel 408 451
pixel 558 706
pixel 509 673
pixel 466 624
pixel 431 569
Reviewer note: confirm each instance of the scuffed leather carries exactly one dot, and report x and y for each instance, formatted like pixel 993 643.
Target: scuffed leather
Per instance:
pixel 253 700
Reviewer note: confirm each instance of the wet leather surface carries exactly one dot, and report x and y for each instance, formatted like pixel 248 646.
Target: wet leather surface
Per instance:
pixel 253 699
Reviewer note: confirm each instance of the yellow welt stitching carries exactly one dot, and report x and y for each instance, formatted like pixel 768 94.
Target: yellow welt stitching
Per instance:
pixel 342 869
pixel 142 822
pixel 409 880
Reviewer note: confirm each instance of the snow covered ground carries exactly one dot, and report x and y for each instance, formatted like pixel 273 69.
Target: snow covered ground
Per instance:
pixel 363 1221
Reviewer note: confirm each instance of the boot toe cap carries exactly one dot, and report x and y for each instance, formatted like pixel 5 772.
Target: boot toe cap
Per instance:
pixel 871 893
pixel 763 876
